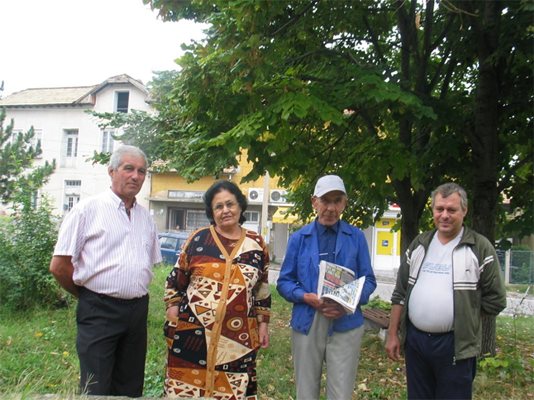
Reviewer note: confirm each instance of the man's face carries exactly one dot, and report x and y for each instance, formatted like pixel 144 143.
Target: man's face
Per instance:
pixel 329 207
pixel 448 215
pixel 126 181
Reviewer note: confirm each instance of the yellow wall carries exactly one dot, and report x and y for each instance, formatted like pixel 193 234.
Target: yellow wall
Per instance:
pixel 385 237
pixel 162 182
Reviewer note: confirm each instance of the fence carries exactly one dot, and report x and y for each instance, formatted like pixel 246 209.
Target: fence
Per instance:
pixel 517 266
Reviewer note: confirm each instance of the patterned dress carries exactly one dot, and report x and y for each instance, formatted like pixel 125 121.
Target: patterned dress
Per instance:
pixel 222 290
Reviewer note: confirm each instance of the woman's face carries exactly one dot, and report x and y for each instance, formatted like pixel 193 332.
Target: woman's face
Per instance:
pixel 226 209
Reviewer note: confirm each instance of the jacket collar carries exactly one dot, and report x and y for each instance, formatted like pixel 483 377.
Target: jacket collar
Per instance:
pixel 309 229
pixel 468 237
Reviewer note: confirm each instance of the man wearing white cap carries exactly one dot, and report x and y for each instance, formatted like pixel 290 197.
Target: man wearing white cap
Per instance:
pixel 322 331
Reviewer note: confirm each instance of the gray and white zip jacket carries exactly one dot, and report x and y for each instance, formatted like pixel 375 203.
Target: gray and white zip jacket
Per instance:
pixel 477 284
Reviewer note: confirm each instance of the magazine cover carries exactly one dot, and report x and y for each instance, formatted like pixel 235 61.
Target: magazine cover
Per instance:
pixel 339 284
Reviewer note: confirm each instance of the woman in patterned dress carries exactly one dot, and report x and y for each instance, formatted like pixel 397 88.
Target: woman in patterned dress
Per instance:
pixel 218 304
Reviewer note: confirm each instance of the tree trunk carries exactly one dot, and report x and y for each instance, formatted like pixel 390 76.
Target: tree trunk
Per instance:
pixel 412 204
pixel 484 140
pixel 489 326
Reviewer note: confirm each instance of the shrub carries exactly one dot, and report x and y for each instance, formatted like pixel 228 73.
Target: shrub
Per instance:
pixel 377 302
pixel 26 247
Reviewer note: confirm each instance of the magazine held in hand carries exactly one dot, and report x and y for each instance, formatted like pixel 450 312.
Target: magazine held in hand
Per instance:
pixel 339 284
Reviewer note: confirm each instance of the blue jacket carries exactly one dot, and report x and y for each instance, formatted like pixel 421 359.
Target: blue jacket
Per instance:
pixel 300 273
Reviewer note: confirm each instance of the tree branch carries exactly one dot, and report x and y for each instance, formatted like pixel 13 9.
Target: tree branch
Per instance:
pixel 295 19
pixel 506 181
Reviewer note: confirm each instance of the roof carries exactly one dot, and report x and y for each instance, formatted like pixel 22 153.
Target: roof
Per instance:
pixel 80 95
pixel 46 96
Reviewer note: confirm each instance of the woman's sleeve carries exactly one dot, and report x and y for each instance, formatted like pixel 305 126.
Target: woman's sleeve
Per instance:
pixel 262 291
pixel 178 279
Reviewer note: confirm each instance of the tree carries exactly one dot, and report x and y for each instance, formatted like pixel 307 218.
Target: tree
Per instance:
pixel 499 124
pixel 27 242
pixel 17 154
pixel 27 238
pixel 382 92
pixel 395 96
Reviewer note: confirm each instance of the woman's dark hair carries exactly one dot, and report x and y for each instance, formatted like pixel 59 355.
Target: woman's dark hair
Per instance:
pixel 230 187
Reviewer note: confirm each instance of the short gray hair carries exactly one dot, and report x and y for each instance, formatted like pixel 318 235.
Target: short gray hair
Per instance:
pixel 116 157
pixel 447 189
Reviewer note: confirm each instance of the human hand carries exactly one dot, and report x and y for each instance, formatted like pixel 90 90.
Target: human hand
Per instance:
pixel 172 312
pixel 313 300
pixel 393 347
pixel 263 332
pixel 332 309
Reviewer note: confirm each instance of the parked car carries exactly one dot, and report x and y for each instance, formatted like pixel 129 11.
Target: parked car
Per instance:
pixel 171 245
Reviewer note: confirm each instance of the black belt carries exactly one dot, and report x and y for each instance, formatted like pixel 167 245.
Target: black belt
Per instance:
pixel 83 289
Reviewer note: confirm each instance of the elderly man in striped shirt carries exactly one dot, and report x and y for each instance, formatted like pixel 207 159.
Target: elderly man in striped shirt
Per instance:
pixel 104 255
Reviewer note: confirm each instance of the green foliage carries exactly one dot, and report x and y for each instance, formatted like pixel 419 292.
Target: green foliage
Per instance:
pixel 514 362
pixel 389 95
pixel 17 154
pixel 51 367
pixel 377 302
pixel 26 245
pixel 28 236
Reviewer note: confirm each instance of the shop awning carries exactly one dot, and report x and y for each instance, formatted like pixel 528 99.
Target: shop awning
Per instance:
pixel 282 216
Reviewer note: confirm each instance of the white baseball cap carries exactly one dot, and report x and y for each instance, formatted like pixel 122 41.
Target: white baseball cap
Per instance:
pixel 329 183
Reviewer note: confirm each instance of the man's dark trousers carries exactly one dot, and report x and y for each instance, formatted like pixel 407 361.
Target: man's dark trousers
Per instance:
pixel 111 344
pixel 431 370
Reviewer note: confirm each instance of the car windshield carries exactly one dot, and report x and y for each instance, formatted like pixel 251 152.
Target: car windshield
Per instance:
pixel 169 242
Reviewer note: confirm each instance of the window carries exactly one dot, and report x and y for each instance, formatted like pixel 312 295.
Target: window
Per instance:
pixel 71 193
pixel 122 102
pixel 196 219
pixel 71 140
pixel 69 152
pixel 36 140
pixel 167 242
pixel 71 201
pixel 176 219
pixel 107 141
pixel 72 183
pixel 252 216
pixel 172 243
pixel 37 136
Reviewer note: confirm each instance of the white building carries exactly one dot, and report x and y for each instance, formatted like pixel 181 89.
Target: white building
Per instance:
pixel 70 135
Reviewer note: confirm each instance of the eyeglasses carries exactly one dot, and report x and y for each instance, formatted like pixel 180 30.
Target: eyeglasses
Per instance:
pixel 335 201
pixel 220 206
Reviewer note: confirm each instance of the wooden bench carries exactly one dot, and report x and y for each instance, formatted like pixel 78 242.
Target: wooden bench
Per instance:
pixel 376 318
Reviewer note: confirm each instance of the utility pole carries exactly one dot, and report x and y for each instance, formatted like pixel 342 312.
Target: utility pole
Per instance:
pixel 264 228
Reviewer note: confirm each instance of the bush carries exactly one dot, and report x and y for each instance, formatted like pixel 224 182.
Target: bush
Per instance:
pixel 377 302
pixel 26 247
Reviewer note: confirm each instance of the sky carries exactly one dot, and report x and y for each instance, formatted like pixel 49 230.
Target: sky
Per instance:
pixel 61 43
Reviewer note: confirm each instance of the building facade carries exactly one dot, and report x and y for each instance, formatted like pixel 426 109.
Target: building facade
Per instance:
pixel 70 135
pixel 176 205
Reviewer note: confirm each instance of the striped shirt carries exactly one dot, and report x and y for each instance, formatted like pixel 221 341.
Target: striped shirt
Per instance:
pixel 111 253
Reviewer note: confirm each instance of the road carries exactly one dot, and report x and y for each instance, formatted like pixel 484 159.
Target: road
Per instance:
pixel 516 303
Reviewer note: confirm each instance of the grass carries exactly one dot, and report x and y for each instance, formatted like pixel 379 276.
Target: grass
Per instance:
pixel 38 356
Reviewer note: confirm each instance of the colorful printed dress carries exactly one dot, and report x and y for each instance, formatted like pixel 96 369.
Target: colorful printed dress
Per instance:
pixel 222 290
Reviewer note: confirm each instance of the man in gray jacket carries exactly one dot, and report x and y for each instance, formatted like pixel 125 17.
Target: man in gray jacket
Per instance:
pixel 448 277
